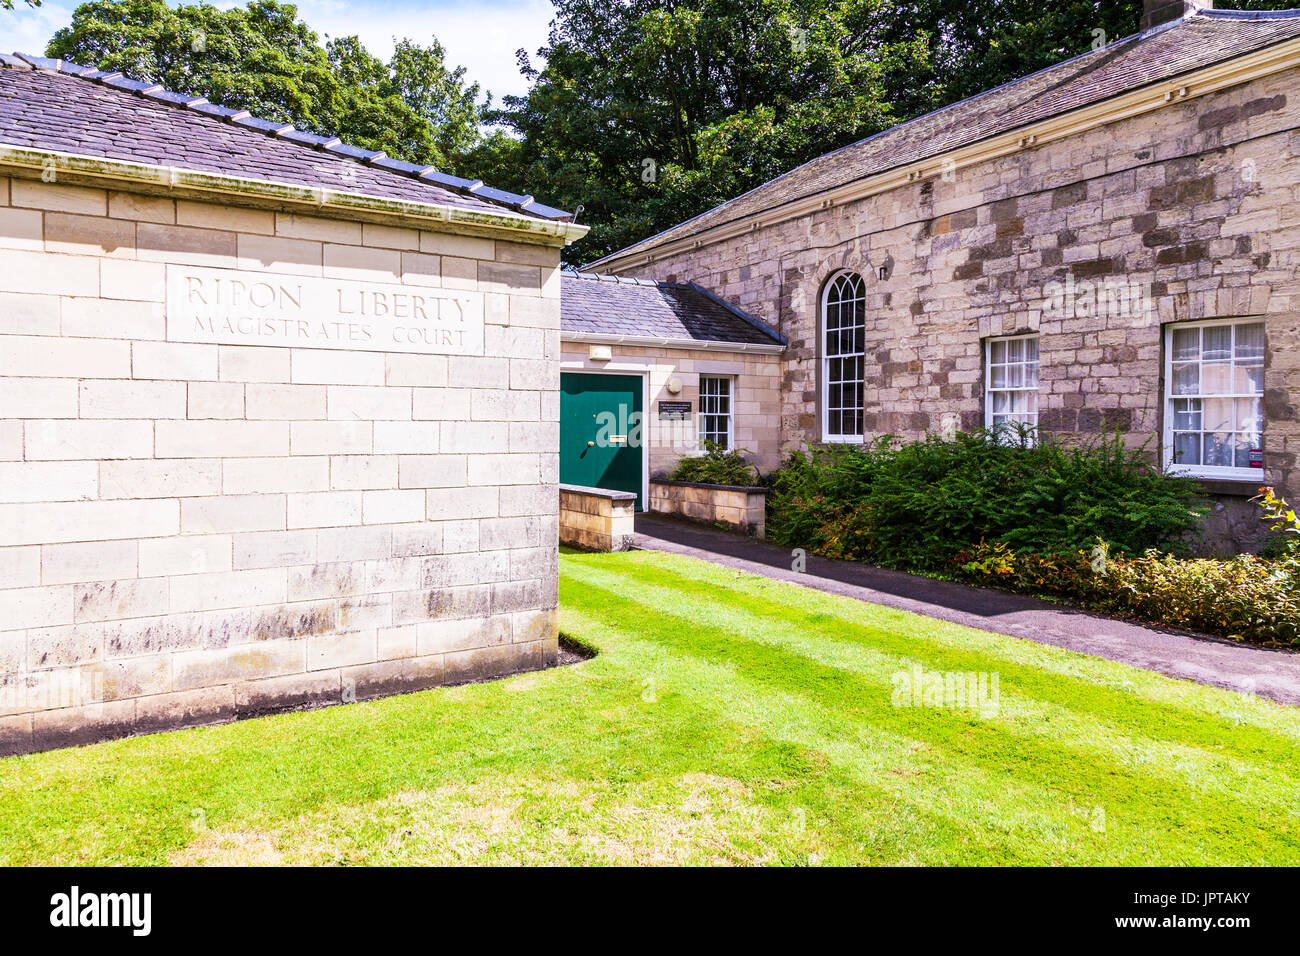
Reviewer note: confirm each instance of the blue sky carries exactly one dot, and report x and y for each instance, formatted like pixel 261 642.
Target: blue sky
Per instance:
pixel 482 36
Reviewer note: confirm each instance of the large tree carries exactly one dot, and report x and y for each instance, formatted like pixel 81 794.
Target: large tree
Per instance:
pixel 264 59
pixel 649 111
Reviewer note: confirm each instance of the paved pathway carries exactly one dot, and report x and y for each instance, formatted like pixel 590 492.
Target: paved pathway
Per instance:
pixel 1269 673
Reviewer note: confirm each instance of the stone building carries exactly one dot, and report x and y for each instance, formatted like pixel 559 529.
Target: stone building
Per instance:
pixel 278 416
pixel 650 371
pixel 1110 243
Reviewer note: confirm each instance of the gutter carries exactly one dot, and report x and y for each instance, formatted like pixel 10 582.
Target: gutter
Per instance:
pixel 316 198
pixel 654 341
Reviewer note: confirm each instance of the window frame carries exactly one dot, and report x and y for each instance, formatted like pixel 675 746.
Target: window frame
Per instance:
pixel 988 377
pixel 1167 398
pixel 825 359
pixel 731 409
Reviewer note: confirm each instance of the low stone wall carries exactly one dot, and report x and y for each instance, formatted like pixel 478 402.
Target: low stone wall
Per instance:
pixel 595 519
pixel 740 506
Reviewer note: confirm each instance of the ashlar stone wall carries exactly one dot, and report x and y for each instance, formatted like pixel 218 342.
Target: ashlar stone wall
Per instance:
pixel 195 532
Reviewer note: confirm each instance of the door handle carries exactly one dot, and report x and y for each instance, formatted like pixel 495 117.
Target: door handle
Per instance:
pixel 591 444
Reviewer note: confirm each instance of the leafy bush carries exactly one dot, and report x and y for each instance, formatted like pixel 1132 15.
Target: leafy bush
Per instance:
pixel 715 467
pixel 1244 598
pixel 1286 548
pixel 915 505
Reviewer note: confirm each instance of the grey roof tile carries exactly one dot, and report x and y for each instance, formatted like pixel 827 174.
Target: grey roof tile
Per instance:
pixel 49 104
pixel 612 305
pixel 1202 39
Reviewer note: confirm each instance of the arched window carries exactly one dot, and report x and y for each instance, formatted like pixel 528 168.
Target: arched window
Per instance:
pixel 844 308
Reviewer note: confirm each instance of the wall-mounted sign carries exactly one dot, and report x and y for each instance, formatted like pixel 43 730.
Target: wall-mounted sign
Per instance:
pixel 674 411
pixel 233 307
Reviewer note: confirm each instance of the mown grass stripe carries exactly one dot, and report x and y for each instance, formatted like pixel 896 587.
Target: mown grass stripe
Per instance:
pixel 819 613
pixel 1105 734
pixel 1026 759
pixel 887 816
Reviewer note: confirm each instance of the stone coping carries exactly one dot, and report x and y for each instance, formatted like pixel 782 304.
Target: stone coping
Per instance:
pixel 600 492
pixel 752 489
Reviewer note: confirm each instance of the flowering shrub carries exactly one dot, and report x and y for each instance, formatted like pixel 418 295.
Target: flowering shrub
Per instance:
pixel 1285 521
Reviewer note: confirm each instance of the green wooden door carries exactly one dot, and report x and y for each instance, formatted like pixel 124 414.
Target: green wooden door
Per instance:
pixel 600 432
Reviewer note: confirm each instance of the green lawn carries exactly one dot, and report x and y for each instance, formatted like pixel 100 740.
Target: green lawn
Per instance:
pixel 727 719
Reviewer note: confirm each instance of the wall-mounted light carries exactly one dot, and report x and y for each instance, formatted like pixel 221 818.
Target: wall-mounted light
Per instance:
pixel 886 268
pixel 600 353
pixel 674 386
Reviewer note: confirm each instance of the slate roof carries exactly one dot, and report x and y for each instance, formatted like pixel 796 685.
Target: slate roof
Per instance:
pixel 614 305
pixel 1160 54
pixel 55 105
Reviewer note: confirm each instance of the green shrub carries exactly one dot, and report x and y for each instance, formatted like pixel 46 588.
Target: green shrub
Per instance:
pixel 916 505
pixel 715 467
pixel 1244 598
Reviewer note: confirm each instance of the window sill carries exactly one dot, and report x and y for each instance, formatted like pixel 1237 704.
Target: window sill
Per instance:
pixel 1232 487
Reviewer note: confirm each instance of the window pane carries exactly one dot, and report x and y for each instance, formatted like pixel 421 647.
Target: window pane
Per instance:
pixel 1250 416
pixel 1248 379
pixel 1187 379
pixel 1016 350
pixel 1218 450
pixel 1187 414
pixel 1216 378
pixel 998 352
pixel 1187 345
pixel 1217 414
pixel 1216 342
pixel 1250 341
pixel 1187 449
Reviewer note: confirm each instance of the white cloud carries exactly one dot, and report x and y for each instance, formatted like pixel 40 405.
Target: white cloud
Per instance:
pixel 482 37
pixel 27 29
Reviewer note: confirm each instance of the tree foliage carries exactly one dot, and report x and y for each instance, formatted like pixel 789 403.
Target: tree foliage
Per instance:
pixel 264 59
pixel 644 112
pixel 649 112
